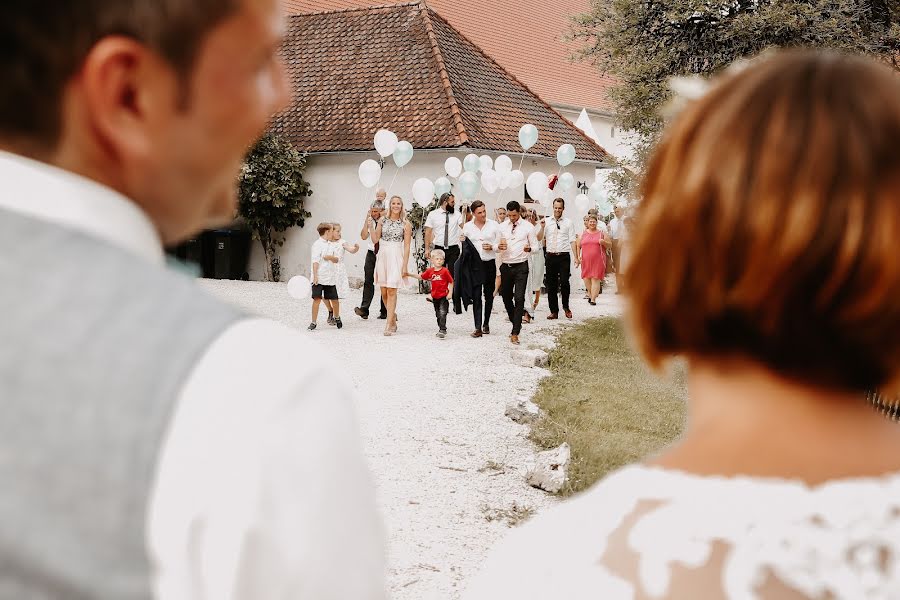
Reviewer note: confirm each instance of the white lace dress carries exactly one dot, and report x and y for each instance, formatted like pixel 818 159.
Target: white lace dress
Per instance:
pixel 649 533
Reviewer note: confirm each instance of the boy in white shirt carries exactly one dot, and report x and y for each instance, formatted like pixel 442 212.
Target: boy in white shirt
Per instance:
pixel 324 276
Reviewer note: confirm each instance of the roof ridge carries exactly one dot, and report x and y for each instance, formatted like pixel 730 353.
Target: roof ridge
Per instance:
pixel 516 80
pixel 442 71
pixel 406 4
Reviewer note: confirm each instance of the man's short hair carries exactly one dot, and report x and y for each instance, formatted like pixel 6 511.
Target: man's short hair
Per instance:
pixel 476 205
pixel 513 205
pixel 445 197
pixel 439 253
pixel 323 227
pixel 789 257
pixel 46 42
pixel 560 200
pixel 377 204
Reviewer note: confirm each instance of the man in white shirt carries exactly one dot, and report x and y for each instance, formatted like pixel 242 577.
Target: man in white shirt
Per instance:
pixel 368 228
pixel 559 233
pixel 443 228
pixel 517 238
pixel 484 234
pixel 233 471
pixel 616 232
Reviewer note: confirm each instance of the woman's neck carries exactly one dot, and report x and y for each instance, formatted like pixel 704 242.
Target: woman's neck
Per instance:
pixel 745 419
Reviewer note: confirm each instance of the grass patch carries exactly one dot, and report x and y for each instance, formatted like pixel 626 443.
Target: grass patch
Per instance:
pixel 605 403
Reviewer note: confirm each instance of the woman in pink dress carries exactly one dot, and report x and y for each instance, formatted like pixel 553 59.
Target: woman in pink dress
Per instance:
pixel 592 249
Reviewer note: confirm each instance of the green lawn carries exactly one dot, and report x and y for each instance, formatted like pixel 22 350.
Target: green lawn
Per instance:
pixel 605 403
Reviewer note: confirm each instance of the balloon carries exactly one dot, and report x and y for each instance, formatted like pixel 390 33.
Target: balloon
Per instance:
pixel 547 199
pixel 423 191
pixel 472 163
pixel 299 287
pixel 468 185
pixel 582 202
pixel 453 166
pixel 566 182
pixel 518 178
pixel 528 136
pixel 604 208
pixel 385 142
pixel 537 185
pixel 487 163
pixel 369 173
pixel 503 164
pixel 596 193
pixel 505 180
pixel 403 153
pixel 442 185
pixel 490 181
pixel 565 155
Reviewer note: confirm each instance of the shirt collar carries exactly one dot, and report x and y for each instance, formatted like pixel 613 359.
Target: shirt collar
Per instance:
pixel 47 193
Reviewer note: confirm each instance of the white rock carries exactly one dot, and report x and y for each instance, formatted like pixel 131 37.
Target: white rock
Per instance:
pixel 530 358
pixel 549 470
pixel 523 410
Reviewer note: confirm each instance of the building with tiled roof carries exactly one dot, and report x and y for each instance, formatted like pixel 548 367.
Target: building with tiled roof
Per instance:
pixel 528 38
pixel 404 68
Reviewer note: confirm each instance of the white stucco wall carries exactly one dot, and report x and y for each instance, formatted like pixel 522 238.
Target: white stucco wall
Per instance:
pixel 612 138
pixel 338 196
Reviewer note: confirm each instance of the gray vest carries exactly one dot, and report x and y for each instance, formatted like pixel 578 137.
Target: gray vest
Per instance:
pixel 94 347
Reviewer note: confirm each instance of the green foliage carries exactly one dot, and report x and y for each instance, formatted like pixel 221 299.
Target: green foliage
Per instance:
pixel 416 216
pixel 643 44
pixel 272 194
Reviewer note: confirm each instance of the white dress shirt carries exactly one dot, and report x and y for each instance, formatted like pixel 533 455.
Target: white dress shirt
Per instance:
pixel 437 221
pixel 261 490
pixel 327 273
pixel 615 228
pixel 559 235
pixel 517 237
pixel 489 234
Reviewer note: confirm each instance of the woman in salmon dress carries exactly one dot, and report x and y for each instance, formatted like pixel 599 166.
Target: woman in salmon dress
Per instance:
pixel 592 249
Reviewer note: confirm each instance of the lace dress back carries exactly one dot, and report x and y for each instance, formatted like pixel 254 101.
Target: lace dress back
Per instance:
pixel 647 533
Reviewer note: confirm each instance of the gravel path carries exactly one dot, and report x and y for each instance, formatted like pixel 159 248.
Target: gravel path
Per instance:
pixel 447 463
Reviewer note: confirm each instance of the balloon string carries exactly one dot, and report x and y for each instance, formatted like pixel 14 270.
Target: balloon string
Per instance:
pixel 390 187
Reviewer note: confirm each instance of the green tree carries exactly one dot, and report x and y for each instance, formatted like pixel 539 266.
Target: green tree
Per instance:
pixel 272 194
pixel 644 43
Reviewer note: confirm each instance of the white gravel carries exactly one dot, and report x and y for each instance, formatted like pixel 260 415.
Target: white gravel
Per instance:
pixel 436 435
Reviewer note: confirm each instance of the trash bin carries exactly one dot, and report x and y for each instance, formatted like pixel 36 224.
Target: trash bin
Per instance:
pixel 227 253
pixel 191 252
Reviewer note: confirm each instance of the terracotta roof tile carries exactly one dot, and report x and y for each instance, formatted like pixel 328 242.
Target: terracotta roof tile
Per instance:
pixel 405 68
pixel 525 36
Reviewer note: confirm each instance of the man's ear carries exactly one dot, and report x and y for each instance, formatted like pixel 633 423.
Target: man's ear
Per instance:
pixel 128 92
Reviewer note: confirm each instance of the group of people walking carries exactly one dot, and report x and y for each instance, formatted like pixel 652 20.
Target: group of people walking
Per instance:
pixel 472 259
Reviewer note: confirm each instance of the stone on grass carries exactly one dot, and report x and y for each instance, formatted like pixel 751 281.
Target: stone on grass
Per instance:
pixel 523 410
pixel 525 357
pixel 549 470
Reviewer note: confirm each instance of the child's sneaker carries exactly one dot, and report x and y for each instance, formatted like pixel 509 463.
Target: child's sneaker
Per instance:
pixel 311 327
pixel 330 318
pixel 442 333
pixel 338 323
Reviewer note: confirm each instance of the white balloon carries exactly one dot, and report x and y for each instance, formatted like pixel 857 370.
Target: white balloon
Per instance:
pixel 518 178
pixel 468 185
pixel 299 288
pixel 605 208
pixel 537 185
pixel 505 180
pixel 423 191
pixel 453 166
pixel 582 203
pixel 490 181
pixel 487 163
pixel 369 173
pixel 596 193
pixel 472 163
pixel 566 181
pixel 503 164
pixel 547 199
pixel 385 142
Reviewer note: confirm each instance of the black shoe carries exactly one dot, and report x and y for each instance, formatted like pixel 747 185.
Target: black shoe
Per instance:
pixel 486 330
pixel 330 318
pixel 338 323
pixel 382 316
pixel 361 313
pixel 311 326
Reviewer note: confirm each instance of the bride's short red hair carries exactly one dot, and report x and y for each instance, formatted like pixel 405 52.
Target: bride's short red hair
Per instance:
pixel 769 224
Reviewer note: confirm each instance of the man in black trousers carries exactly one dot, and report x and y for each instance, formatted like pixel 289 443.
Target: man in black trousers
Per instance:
pixel 369 273
pixel 560 235
pixel 517 238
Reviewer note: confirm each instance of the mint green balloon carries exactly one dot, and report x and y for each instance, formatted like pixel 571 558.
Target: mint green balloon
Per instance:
pixel 403 153
pixel 469 185
pixel 442 186
pixel 565 155
pixel 528 136
pixel 472 163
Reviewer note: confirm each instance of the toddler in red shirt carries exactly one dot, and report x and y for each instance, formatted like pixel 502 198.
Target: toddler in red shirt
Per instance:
pixel 441 288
